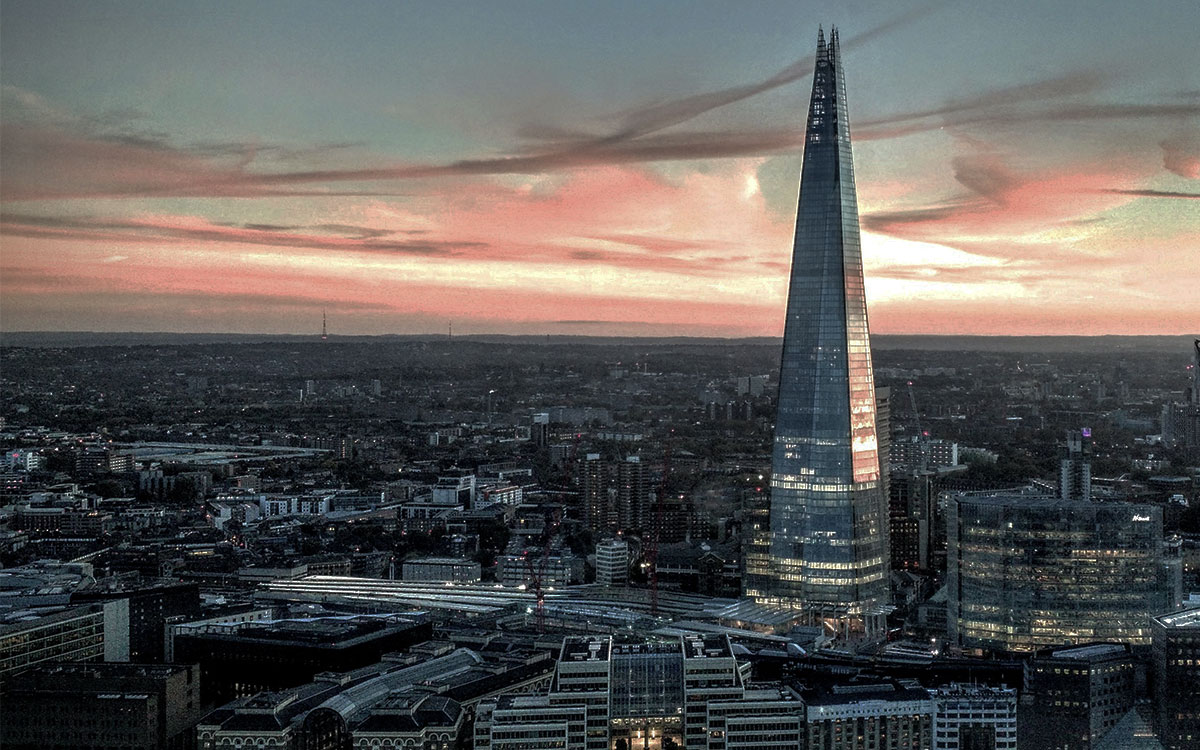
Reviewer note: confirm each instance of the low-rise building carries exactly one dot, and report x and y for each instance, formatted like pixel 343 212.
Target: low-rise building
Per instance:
pixel 442 569
pixel 974 717
pixel 852 717
pixel 421 699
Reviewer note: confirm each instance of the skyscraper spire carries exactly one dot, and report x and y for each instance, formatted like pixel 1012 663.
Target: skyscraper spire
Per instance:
pixel 828 546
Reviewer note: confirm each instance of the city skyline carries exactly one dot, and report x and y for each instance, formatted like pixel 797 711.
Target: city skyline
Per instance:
pixel 625 169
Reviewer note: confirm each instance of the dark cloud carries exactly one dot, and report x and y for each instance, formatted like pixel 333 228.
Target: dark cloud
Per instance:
pixel 25 225
pixel 1181 153
pixel 886 222
pixel 1154 193
pixel 985 175
pixel 353 230
pixel 1070 84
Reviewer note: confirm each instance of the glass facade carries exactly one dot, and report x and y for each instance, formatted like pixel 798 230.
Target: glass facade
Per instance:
pixel 828 519
pixel 1028 572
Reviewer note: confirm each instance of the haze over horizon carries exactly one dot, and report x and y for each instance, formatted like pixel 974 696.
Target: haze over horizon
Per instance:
pixel 622 169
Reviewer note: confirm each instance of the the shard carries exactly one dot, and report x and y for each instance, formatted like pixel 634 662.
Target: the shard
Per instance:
pixel 826 546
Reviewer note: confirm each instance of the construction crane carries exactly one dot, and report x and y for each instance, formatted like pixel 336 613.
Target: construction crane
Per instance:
pixel 651 552
pixel 922 436
pixel 536 575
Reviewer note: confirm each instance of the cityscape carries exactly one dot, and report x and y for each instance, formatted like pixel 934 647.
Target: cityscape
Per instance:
pixel 544 505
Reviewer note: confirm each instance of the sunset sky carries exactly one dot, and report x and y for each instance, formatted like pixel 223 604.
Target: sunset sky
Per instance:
pixel 1023 167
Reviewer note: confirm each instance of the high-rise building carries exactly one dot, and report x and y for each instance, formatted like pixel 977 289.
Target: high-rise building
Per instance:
pixel 828 513
pixel 596 509
pixel 912 509
pixel 1181 420
pixel 633 492
pixel 1176 669
pixel 1026 572
pixel 1075 467
pixel 883 431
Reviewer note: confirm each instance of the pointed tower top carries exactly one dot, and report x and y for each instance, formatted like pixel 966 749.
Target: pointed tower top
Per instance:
pixel 821 51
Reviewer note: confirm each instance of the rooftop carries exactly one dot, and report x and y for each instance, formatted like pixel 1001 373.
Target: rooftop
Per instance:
pixel 586 649
pixel 1090 651
pixel 706 646
pixel 1189 618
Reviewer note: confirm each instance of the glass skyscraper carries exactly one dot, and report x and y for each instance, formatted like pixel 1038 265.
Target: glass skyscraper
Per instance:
pixel 1031 571
pixel 826 547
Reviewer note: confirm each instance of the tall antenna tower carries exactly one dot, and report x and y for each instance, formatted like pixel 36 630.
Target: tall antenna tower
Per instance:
pixel 324 330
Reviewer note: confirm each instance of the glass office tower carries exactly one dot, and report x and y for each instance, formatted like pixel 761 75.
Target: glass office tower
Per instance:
pixel 827 537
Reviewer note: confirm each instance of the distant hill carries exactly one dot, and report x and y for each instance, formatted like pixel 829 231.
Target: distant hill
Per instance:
pixel 1083 344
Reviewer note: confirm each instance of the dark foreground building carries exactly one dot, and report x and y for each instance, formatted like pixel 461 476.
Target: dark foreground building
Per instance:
pixel 828 544
pixel 101 706
pixel 421 700
pixel 1176 665
pixel 241 660
pixel 1073 697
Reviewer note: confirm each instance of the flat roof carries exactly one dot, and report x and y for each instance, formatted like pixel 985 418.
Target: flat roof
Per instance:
pixel 586 649
pixel 706 646
pixel 1189 618
pixel 1091 651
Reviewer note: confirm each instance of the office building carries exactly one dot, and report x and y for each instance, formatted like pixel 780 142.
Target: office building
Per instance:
pixel 883 432
pixel 150 605
pixel 687 692
pixel 1026 572
pixel 1176 678
pixel 455 490
pixel 764 718
pixel 828 514
pixel 897 716
pixel 1074 696
pixel 974 717
pixel 612 562
pixel 100 707
pixel 912 519
pixel 1075 467
pixel 518 566
pixel 530 722
pixel 89 632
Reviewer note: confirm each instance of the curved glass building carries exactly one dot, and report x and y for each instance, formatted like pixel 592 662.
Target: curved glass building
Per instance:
pixel 1026 572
